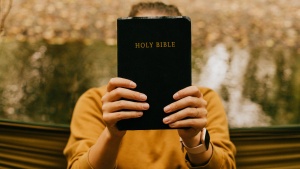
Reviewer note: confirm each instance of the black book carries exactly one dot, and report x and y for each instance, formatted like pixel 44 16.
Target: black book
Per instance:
pixel 155 53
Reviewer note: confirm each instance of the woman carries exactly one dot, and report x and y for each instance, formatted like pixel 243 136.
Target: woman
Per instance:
pixel 95 141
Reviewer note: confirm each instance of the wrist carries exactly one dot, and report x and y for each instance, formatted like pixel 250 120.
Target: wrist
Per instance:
pixel 113 137
pixel 201 146
pixel 105 151
pixel 192 141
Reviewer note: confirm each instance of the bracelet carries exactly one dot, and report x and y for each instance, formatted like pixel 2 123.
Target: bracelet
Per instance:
pixel 202 147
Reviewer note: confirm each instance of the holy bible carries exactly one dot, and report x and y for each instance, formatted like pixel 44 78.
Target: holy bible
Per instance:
pixel 155 53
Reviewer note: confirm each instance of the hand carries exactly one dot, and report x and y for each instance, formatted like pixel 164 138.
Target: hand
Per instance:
pixel 114 104
pixel 190 108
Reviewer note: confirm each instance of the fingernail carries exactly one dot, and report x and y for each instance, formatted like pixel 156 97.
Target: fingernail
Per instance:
pixel 145 106
pixel 176 95
pixel 132 84
pixel 172 125
pixel 140 114
pixel 167 109
pixel 143 97
pixel 166 120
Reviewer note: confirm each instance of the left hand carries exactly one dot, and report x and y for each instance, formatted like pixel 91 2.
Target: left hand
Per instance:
pixel 190 114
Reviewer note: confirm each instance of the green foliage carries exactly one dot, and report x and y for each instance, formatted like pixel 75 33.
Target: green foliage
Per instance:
pixel 42 82
pixel 278 94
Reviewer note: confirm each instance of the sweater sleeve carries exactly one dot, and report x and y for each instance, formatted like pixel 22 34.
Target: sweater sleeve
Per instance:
pixel 217 125
pixel 86 126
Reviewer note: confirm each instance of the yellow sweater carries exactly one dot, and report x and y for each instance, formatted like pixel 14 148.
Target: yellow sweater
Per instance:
pixel 146 149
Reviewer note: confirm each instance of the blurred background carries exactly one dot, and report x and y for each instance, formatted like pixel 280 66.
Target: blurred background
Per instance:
pixel 53 51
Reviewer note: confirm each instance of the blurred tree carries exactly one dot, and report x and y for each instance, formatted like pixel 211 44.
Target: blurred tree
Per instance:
pixel 55 50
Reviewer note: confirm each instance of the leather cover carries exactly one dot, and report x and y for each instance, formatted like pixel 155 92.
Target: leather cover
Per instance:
pixel 154 52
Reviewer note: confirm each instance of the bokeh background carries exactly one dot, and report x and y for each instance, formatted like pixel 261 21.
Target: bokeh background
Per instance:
pixel 53 51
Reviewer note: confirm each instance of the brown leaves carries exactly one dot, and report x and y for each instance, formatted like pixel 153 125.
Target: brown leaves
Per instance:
pixel 264 23
pixel 4 9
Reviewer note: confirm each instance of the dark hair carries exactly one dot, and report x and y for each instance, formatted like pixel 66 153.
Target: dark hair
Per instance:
pixel 169 10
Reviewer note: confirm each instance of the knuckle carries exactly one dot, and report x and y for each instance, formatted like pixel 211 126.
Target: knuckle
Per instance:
pixel 121 104
pixel 104 108
pixel 106 117
pixel 191 112
pixel 111 85
pixel 204 102
pixel 205 112
pixel 104 98
pixel 119 116
pixel 204 122
pixel 135 95
pixel 194 89
pixel 190 100
pixel 112 81
pixel 140 106
pixel 201 103
pixel 117 90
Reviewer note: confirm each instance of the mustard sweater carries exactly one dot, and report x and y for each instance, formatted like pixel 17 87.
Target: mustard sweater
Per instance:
pixel 146 149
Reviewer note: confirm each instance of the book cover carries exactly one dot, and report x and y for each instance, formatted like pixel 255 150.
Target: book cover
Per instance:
pixel 155 53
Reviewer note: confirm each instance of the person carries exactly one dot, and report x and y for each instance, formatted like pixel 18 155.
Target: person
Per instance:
pixel 96 142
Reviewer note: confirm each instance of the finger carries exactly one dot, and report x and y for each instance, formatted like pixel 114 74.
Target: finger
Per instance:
pixel 122 93
pixel 120 82
pixel 185 114
pixel 188 101
pixel 113 118
pixel 195 123
pixel 188 91
pixel 124 105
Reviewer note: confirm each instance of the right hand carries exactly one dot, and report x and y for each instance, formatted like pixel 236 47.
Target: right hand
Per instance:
pixel 113 104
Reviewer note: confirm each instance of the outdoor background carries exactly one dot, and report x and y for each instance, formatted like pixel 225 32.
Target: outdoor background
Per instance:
pixel 248 51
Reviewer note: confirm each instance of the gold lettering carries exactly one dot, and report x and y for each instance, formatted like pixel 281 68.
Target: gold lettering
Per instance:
pixel 157 44
pixel 137 45
pixel 165 44
pixel 144 45
pixel 150 43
